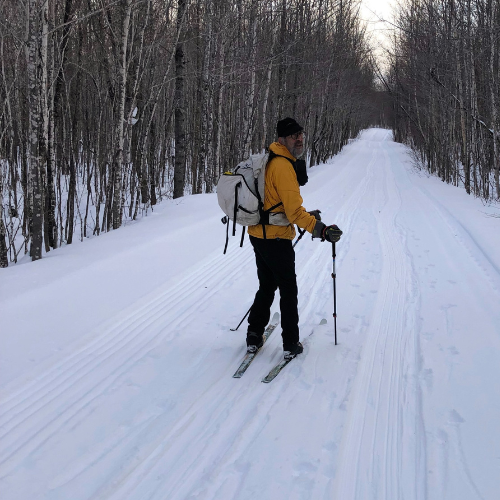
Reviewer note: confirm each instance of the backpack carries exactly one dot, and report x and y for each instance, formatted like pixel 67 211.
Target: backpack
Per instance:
pixel 240 193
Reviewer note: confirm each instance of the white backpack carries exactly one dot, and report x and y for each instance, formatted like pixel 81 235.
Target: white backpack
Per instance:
pixel 240 193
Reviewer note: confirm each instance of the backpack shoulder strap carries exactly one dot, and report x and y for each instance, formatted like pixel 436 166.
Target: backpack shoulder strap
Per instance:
pixel 264 214
pixel 272 155
pixel 299 169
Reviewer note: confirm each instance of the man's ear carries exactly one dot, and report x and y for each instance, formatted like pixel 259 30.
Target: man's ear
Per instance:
pixel 281 140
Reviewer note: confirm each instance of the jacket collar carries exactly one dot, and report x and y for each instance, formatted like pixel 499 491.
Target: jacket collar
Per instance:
pixel 281 150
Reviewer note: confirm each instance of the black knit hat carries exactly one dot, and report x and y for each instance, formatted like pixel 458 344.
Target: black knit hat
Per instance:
pixel 287 126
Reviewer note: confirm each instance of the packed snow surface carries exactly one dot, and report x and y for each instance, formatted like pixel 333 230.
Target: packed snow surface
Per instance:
pixel 117 355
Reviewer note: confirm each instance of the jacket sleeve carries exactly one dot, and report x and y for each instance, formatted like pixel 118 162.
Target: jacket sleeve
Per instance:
pixel 287 187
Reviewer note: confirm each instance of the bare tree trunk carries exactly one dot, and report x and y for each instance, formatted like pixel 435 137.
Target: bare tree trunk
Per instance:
pixel 267 85
pixel 50 192
pixel 282 67
pixel 465 150
pixel 250 97
pixel 70 205
pixel 126 7
pixel 37 88
pixel 180 111
pixel 205 111
pixel 493 102
pixel 4 260
pixel 218 136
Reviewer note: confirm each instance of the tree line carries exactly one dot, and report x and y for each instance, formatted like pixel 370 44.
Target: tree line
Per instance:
pixel 109 106
pixel 444 79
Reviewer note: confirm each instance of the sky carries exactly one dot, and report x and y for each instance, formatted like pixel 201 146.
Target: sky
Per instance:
pixel 374 12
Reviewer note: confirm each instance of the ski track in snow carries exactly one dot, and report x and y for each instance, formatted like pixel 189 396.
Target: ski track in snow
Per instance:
pixel 148 409
pixel 58 391
pixel 473 248
pixel 381 410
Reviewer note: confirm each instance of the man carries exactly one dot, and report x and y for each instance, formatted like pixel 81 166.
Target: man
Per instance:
pixel 274 253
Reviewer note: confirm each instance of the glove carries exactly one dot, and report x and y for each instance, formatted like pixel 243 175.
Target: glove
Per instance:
pixel 332 233
pixel 329 233
pixel 318 230
pixel 315 213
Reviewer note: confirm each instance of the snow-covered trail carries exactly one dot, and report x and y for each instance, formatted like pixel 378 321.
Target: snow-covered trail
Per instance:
pixel 141 404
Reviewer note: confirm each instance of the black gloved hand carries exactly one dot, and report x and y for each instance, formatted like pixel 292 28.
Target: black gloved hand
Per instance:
pixel 315 213
pixel 329 233
pixel 318 230
pixel 332 233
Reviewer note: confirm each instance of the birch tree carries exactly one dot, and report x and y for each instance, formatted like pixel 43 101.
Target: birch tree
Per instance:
pixel 36 55
pixel 126 8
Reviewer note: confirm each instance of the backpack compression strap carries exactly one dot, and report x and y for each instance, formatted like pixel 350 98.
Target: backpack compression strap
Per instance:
pixel 235 206
pixel 264 214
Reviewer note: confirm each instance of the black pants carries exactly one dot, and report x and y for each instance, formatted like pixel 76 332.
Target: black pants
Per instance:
pixel 275 269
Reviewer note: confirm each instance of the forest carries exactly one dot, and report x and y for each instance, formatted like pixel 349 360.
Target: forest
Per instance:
pixel 444 81
pixel 110 106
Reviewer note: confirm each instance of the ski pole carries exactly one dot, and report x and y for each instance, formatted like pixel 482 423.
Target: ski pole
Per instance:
pixel 239 324
pixel 334 276
pixel 301 233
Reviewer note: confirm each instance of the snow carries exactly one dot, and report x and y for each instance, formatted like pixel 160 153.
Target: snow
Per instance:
pixel 117 357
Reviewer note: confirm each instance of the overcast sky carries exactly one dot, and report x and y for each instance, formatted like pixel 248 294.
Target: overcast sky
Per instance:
pixel 371 11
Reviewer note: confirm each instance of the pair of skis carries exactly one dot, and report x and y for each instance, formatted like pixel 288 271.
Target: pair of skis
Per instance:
pixel 249 357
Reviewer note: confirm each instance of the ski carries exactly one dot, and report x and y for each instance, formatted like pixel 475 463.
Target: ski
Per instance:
pixel 249 357
pixel 275 371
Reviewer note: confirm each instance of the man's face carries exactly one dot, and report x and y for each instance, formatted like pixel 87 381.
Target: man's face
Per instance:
pixel 294 143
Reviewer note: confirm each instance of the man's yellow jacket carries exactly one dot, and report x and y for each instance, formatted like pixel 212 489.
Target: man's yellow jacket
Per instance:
pixel 282 186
